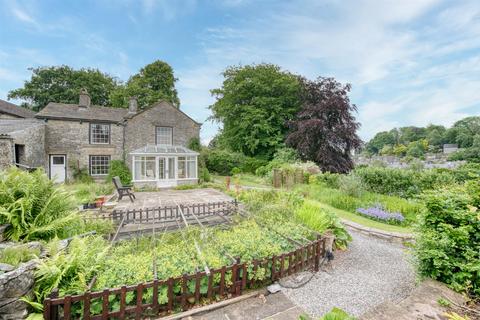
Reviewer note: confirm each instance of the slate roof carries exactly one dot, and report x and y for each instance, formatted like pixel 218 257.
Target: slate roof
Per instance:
pixel 13 109
pixel 164 149
pixel 74 112
pixel 12 125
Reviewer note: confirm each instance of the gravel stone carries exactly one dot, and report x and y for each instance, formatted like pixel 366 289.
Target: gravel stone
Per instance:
pixel 368 273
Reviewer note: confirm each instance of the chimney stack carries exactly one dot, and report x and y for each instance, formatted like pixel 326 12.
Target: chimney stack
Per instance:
pixel 132 105
pixel 84 100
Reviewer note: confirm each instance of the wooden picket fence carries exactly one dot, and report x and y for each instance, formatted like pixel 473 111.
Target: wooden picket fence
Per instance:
pixel 223 283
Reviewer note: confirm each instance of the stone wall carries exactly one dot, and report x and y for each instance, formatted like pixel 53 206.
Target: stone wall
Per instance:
pixel 6 151
pixel 33 138
pixel 72 139
pixel 140 130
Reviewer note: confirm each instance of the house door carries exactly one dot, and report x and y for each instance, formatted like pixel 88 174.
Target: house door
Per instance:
pixel 166 171
pixel 58 168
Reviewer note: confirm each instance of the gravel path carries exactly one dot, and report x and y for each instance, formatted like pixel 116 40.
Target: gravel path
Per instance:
pixel 368 273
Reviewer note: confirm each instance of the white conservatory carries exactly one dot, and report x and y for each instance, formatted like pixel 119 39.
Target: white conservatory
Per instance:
pixel 164 166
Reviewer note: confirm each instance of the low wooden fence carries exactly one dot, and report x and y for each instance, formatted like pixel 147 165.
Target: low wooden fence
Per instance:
pixel 170 213
pixel 162 297
pixel 287 178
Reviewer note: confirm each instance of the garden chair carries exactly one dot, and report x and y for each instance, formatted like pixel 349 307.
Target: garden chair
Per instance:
pixel 123 190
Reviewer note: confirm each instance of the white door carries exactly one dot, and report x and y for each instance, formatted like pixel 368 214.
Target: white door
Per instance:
pixel 58 168
pixel 166 171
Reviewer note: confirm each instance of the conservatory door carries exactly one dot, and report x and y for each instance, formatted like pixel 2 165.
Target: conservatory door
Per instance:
pixel 166 171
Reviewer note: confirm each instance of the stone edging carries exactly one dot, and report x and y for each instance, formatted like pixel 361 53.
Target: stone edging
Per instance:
pixel 396 237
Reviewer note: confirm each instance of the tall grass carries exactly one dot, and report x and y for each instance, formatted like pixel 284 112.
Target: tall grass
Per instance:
pixel 340 200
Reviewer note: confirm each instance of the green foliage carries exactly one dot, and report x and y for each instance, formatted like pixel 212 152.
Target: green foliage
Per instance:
pixel 336 314
pixel 401 182
pixel 87 192
pixel 204 175
pixel 63 84
pixel 154 82
pixel 253 104
pixel 70 271
pixel 222 161
pixel 338 199
pixel 33 206
pixel 18 254
pixel 448 243
pixel 194 144
pixel 313 216
pixel 80 175
pixel 351 185
pixel 120 169
pixel 471 154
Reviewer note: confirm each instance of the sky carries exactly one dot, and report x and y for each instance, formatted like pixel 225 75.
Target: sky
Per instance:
pixel 410 62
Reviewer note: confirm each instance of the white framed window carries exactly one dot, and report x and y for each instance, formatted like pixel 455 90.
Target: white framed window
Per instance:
pixel 187 167
pixel 164 135
pixel 99 133
pixel 99 165
pixel 144 168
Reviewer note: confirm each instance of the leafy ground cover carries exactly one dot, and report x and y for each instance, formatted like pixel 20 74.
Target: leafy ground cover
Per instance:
pixel 278 218
pixel 88 192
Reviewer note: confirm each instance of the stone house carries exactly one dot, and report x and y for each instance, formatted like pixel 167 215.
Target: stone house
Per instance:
pixel 152 141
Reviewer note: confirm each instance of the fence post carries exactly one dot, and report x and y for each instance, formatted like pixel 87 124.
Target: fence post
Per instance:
pixel 277 178
pixel 318 252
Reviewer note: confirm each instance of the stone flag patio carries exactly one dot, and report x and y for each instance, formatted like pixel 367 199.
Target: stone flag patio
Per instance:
pixel 170 197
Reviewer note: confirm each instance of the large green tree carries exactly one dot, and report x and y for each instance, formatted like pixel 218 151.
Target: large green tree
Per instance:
pixel 152 83
pixel 254 104
pixel 63 84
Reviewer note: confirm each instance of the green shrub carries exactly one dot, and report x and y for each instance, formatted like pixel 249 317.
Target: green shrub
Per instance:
pixel 204 175
pixel 351 185
pixel 81 175
pixel 120 169
pixel 222 161
pixel 448 242
pixel 33 206
pixel 403 182
pixel 327 178
pixel 194 144
pixel 471 154
pixel 250 165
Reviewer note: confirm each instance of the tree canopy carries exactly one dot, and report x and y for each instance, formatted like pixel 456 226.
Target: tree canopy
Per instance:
pixel 324 130
pixel 254 104
pixel 152 83
pixel 63 84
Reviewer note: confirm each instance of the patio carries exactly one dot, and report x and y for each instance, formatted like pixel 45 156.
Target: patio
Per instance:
pixel 169 197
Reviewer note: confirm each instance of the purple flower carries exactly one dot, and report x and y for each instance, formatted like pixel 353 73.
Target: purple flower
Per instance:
pixel 377 212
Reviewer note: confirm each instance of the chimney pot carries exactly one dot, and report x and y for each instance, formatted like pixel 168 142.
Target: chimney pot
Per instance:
pixel 84 99
pixel 132 105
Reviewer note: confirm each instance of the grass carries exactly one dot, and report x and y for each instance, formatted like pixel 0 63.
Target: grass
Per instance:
pixel 244 179
pixel 365 221
pixel 87 192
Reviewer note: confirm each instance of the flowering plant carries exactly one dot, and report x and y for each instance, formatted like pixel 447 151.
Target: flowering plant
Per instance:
pixel 378 213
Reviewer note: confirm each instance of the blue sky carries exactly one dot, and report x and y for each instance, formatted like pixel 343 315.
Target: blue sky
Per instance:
pixel 411 62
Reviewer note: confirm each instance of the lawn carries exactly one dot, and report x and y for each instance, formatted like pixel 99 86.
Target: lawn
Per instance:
pixel 87 192
pixel 245 179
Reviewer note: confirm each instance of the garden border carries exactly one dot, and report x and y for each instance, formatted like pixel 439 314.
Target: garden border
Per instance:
pixel 396 237
pixel 302 258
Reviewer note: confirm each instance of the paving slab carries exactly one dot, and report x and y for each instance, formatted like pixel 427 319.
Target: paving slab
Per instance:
pixel 170 197
pixel 272 307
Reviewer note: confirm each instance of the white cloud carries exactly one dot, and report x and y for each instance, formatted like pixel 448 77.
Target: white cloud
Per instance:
pixel 23 16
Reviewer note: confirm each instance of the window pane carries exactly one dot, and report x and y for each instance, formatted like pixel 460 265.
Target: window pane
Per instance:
pixel 171 168
pixel 164 135
pixel 144 168
pixel 58 160
pixel 182 168
pixel 99 165
pixel 99 133
pixel 191 169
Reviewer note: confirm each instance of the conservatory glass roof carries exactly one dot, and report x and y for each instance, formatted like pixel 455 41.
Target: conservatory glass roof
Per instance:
pixel 164 149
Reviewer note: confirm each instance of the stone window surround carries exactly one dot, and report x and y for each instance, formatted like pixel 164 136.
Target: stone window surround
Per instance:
pixel 90 158
pixel 90 133
pixel 156 133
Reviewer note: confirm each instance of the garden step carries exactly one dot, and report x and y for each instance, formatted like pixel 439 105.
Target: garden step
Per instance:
pixel 421 304
pixel 386 311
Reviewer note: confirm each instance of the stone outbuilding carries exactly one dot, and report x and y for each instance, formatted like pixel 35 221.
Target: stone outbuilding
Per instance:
pixel 11 111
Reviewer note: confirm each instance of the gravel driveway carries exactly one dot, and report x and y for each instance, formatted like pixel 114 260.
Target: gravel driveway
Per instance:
pixel 368 273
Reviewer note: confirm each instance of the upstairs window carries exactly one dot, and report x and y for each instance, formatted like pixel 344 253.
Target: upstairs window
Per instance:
pixel 99 133
pixel 164 135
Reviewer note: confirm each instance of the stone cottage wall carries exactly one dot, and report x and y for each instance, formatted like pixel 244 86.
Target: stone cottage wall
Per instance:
pixel 140 130
pixel 72 139
pixel 33 138
pixel 6 151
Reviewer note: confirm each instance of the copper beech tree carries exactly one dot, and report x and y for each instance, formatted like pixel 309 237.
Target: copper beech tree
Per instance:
pixel 324 130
